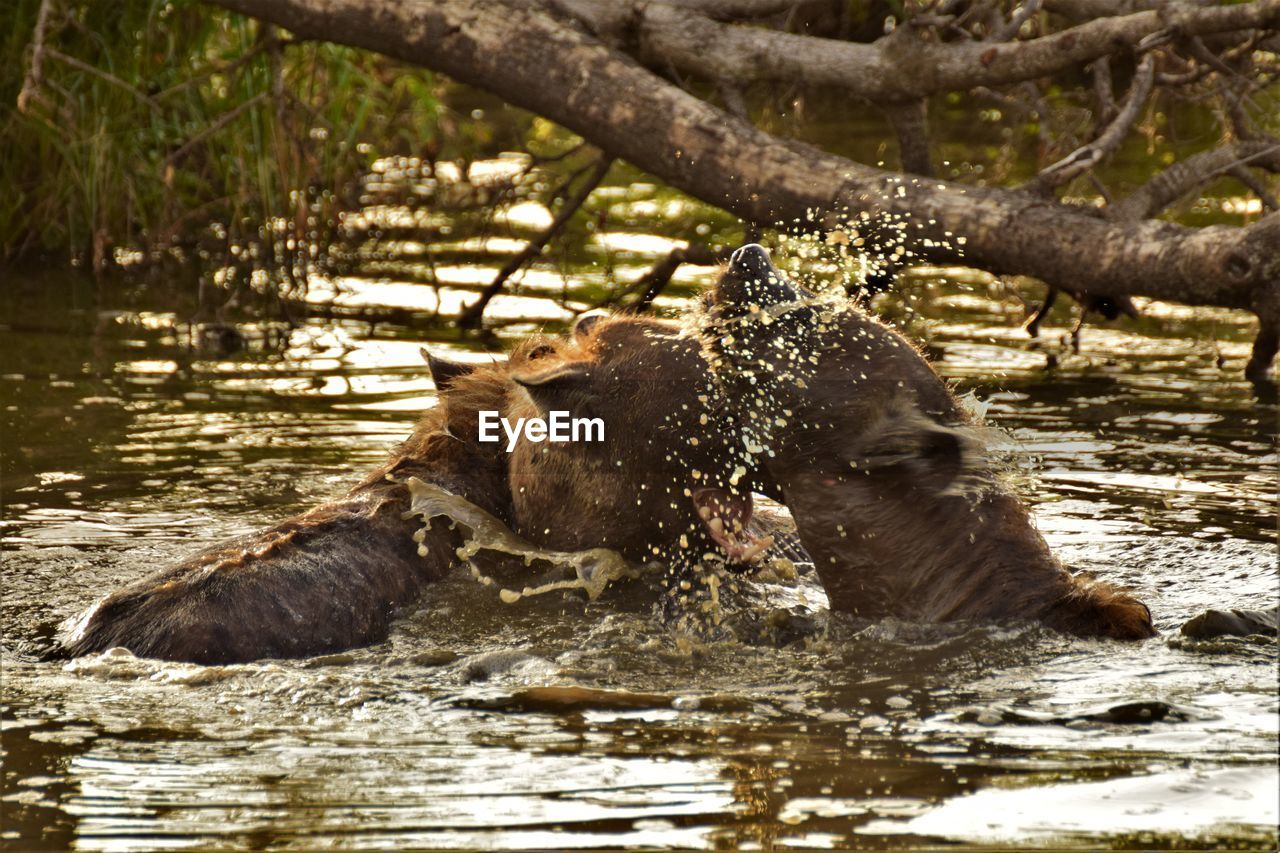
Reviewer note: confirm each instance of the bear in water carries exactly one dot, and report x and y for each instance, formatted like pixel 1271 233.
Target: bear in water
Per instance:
pixel 329 579
pixel 882 470
pixel 332 578
pixel 663 484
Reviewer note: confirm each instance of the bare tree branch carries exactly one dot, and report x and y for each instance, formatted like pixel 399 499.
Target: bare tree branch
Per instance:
pixel 223 120
pixel 1020 17
pixel 532 59
pixel 1186 175
pixel 1086 157
pixel 474 313
pixel 1257 187
pixel 738 10
pixel 35 71
pixel 875 71
pixel 86 68
pixel 1085 10
pixel 1105 108
pixel 655 280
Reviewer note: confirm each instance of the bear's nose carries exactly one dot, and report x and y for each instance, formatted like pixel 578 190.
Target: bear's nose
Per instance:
pixel 751 258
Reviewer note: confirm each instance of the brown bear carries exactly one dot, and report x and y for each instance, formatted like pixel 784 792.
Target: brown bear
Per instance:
pixel 662 483
pixel 656 487
pixel 882 469
pixel 331 578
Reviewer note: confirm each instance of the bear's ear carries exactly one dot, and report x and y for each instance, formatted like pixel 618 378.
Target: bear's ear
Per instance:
pixel 444 373
pixel 565 387
pixel 945 460
pixel 586 322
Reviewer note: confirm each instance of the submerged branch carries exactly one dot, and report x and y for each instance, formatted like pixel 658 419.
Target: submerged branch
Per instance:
pixel 474 313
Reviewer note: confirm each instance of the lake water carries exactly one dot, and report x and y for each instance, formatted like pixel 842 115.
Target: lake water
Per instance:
pixel 559 723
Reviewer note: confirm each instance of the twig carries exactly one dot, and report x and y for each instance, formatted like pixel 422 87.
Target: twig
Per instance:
pixel 472 315
pixel 1241 174
pixel 1201 52
pixel 1011 29
pixel 653 282
pixel 1193 74
pixel 535 160
pixel 232 66
pixel 1104 96
pixel 1088 156
pixel 101 75
pixel 223 120
pixel 1101 188
pixel 1231 101
pixel 35 72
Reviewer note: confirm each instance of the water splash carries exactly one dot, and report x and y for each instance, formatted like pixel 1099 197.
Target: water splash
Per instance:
pixel 594 569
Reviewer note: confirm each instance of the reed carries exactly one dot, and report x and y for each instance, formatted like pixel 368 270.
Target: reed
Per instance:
pixel 148 132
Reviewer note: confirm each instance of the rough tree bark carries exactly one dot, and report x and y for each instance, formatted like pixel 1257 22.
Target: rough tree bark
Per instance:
pixel 582 64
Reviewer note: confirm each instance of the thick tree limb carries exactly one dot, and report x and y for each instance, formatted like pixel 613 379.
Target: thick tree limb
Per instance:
pixel 1084 10
pixel 529 57
pixel 875 71
pixel 738 10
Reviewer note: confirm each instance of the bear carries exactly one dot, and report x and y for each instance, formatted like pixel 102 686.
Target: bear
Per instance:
pixel 329 579
pixel 658 487
pixel 662 484
pixel 883 471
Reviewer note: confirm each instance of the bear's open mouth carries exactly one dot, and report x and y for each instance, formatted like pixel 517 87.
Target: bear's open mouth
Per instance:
pixel 727 515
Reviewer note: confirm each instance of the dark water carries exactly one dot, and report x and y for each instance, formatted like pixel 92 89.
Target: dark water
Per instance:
pixel 558 723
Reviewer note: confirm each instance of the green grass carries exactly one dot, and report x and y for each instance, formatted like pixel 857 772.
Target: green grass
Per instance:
pixel 163 131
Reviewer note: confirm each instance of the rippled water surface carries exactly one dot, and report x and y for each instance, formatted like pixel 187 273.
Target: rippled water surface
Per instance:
pixel 558 723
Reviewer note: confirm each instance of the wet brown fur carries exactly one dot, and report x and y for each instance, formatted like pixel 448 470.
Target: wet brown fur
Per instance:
pixel 631 492
pixel 334 577
pixel 876 462
pixel 328 579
